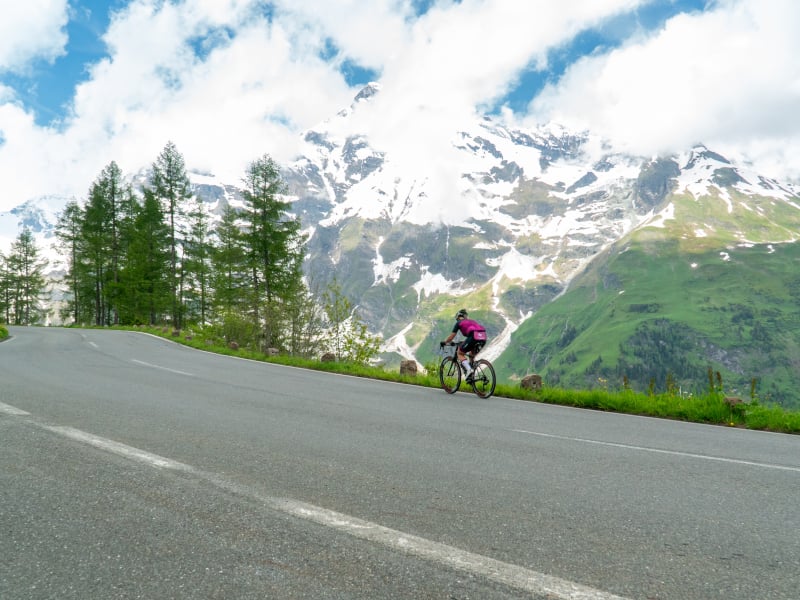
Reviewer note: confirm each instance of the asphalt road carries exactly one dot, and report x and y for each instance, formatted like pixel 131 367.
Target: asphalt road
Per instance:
pixel 132 467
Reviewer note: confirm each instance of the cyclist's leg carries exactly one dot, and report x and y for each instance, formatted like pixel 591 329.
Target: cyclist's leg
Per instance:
pixel 461 350
pixel 467 353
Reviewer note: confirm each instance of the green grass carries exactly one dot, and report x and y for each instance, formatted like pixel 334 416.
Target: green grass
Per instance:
pixel 3 332
pixel 710 408
pixel 651 309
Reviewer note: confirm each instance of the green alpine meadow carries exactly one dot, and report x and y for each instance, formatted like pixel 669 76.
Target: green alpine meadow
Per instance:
pixel 709 290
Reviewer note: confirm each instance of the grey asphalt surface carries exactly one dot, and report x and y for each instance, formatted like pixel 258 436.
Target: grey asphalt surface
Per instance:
pixel 640 508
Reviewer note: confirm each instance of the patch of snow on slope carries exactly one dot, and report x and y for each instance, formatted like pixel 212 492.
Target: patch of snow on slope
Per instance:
pixel 385 273
pixel 571 223
pixel 398 344
pixel 514 266
pixel 668 214
pixel 562 174
pixel 436 283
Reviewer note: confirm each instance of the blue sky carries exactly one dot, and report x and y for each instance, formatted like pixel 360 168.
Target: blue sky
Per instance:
pixel 48 86
pixel 84 82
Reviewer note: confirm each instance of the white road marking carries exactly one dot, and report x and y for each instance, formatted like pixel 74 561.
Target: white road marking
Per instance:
pixel 120 449
pixel 735 461
pixel 12 410
pixel 152 366
pixel 501 572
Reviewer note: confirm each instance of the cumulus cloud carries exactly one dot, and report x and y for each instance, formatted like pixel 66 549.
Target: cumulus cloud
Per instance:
pixel 31 30
pixel 228 80
pixel 728 78
pixel 440 71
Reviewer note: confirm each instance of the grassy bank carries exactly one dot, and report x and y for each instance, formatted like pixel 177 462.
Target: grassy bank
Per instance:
pixel 712 408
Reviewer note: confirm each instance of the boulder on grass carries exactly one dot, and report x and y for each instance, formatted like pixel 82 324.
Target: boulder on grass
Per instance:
pixel 328 357
pixel 531 382
pixel 408 367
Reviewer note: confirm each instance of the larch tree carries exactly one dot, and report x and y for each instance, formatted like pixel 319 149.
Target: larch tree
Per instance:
pixel 273 243
pixel 28 283
pixel 229 265
pixel 147 272
pixel 197 257
pixel 68 233
pixel 170 185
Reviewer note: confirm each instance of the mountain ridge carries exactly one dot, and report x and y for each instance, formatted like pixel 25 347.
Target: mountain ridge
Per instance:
pixel 504 224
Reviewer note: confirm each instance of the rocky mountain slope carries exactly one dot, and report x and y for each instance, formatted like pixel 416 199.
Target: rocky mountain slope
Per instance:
pixel 511 221
pixel 535 208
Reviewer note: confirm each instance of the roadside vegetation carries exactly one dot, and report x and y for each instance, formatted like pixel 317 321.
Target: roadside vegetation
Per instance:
pixel 712 407
pixel 137 258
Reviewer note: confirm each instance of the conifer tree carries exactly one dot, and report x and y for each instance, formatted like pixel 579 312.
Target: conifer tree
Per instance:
pixel 171 187
pixel 96 238
pixel 114 199
pixel 229 266
pixel 146 275
pixel 273 243
pixel 5 290
pixel 198 263
pixel 26 280
pixel 68 232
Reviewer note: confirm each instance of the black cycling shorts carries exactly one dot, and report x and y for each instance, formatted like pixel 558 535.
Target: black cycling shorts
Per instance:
pixel 471 343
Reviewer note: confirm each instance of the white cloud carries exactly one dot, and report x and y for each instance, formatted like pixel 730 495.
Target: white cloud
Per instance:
pixel 263 81
pixel 728 78
pixel 30 30
pixel 445 67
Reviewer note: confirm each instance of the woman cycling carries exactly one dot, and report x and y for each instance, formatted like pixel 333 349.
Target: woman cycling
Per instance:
pixel 475 335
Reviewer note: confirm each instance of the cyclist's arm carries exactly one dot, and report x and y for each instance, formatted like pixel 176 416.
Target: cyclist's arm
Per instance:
pixel 452 334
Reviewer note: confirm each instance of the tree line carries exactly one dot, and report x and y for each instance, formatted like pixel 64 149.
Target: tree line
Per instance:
pixel 155 256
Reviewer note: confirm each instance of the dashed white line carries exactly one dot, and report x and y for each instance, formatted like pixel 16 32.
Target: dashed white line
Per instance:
pixel 735 461
pixel 152 366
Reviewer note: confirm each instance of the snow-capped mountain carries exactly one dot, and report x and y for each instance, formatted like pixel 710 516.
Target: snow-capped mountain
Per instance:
pixel 499 222
pixel 527 211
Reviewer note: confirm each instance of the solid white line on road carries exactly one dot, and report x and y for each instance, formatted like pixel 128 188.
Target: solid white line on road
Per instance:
pixel 735 461
pixel 11 410
pixel 146 364
pixel 504 573
pixel 507 574
pixel 120 449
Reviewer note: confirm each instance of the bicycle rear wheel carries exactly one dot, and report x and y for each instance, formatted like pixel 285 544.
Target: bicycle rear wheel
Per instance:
pixel 483 380
pixel 450 374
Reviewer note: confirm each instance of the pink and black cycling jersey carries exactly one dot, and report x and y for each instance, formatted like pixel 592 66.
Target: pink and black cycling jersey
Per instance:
pixel 467 327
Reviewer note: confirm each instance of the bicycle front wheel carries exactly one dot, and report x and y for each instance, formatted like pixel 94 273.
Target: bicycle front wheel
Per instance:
pixel 450 374
pixel 483 380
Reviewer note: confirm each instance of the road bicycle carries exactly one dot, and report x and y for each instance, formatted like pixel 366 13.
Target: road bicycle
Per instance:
pixel 482 380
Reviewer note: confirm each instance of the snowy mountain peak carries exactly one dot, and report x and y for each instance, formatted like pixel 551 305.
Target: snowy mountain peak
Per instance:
pixel 368 91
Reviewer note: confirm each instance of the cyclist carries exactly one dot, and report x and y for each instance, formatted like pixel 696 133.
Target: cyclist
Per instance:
pixel 475 338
